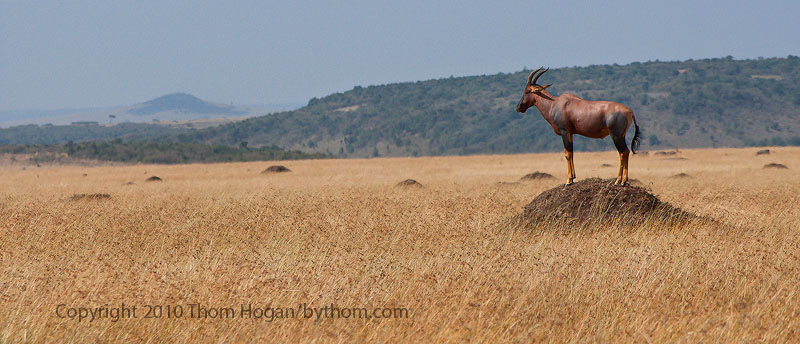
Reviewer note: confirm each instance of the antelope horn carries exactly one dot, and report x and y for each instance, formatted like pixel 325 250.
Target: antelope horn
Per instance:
pixel 537 77
pixel 531 76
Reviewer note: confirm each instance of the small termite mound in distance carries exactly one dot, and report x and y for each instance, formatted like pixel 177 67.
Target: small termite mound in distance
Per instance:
pixel 763 152
pixel 665 153
pixel 681 175
pixel 153 179
pixel 409 183
pixel 775 165
pixel 276 169
pixel 537 176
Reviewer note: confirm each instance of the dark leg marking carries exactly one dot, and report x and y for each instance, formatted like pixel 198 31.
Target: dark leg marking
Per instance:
pixel 619 142
pixel 566 140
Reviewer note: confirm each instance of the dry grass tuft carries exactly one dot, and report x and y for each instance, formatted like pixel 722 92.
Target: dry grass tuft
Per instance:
pixel 89 197
pixel 763 152
pixel 153 179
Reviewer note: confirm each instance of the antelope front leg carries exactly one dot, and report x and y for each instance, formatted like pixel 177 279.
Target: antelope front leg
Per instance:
pixel 570 168
pixel 567 139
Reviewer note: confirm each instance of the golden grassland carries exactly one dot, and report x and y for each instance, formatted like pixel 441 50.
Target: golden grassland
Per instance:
pixel 339 232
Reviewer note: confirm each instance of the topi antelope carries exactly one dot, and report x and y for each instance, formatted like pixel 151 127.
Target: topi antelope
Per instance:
pixel 568 115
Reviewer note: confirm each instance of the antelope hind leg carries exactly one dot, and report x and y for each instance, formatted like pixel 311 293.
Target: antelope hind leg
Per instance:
pixel 625 167
pixel 622 148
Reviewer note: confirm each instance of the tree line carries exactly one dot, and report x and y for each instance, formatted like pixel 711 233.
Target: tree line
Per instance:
pixel 151 152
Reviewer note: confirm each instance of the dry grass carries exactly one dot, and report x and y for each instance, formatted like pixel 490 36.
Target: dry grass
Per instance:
pixel 338 231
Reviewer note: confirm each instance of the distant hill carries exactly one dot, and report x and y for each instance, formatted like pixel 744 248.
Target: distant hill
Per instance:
pixel 159 118
pixel 719 102
pixel 164 110
pixel 185 103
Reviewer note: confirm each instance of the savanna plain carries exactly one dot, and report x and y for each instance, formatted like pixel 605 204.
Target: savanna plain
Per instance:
pixel 341 233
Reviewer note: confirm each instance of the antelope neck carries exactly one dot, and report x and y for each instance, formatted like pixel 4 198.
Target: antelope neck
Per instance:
pixel 545 105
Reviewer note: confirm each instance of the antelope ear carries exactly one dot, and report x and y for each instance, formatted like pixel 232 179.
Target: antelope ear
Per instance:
pixel 546 86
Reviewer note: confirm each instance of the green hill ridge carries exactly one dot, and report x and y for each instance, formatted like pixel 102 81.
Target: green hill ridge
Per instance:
pixel 720 102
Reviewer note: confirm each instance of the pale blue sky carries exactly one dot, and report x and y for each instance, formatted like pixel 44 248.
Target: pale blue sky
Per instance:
pixel 67 54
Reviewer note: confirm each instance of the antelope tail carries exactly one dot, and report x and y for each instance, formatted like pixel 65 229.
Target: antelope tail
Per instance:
pixel 636 136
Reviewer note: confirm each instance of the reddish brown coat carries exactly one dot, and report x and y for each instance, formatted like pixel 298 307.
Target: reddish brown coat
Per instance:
pixel 568 114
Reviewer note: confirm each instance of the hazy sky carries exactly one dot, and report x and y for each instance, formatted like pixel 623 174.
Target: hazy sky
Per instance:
pixel 64 54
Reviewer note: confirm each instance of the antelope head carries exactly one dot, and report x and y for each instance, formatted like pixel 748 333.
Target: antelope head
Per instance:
pixel 532 90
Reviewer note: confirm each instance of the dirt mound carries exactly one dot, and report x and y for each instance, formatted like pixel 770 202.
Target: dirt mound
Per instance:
pixel 763 152
pixel 595 199
pixel 276 169
pixel 536 176
pixel 681 175
pixel 666 153
pixel 409 183
pixel 89 197
pixel 774 165
pixel 153 179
